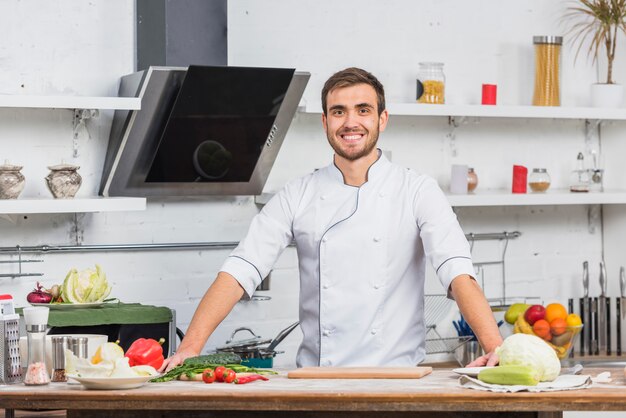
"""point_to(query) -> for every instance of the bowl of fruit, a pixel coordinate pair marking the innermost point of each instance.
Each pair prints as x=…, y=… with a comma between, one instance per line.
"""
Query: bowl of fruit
x=552, y=323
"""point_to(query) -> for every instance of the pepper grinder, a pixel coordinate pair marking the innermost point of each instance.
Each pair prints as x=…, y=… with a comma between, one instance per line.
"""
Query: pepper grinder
x=36, y=319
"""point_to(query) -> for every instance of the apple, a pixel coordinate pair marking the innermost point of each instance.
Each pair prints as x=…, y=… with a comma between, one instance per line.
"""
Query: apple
x=534, y=314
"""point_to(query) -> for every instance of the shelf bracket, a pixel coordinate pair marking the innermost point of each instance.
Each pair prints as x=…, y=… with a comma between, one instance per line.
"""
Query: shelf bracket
x=454, y=123
x=80, y=116
x=592, y=134
x=594, y=215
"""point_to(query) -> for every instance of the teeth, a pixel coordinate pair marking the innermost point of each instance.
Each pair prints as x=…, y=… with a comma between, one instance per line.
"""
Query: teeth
x=351, y=137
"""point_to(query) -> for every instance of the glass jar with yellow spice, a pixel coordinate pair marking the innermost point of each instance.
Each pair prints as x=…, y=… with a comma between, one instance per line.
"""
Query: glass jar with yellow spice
x=539, y=180
x=431, y=83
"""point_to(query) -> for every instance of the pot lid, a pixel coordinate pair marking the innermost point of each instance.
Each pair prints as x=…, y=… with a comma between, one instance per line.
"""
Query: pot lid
x=254, y=343
x=10, y=167
x=60, y=167
x=245, y=343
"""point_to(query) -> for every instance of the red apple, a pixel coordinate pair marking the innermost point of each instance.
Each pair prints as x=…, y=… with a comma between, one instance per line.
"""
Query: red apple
x=534, y=314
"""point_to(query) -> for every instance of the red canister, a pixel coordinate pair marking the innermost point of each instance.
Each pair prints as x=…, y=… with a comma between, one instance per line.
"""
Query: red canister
x=519, y=179
x=490, y=92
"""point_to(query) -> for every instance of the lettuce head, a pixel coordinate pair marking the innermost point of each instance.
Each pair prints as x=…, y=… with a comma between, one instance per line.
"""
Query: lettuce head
x=86, y=286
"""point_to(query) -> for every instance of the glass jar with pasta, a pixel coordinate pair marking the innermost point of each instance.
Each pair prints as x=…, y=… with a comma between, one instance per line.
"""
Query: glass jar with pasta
x=547, y=56
x=431, y=83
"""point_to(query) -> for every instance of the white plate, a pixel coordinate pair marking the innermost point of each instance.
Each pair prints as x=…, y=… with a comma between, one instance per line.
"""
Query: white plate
x=107, y=383
x=70, y=305
x=470, y=371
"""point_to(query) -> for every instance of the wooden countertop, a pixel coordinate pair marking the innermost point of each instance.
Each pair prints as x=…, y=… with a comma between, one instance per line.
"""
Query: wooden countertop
x=436, y=392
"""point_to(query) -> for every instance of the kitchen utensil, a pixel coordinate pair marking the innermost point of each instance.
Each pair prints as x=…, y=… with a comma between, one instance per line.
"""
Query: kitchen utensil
x=601, y=312
x=359, y=372
x=621, y=309
x=585, y=312
x=10, y=367
x=570, y=306
x=253, y=351
x=594, y=318
x=608, y=326
x=281, y=336
x=618, y=326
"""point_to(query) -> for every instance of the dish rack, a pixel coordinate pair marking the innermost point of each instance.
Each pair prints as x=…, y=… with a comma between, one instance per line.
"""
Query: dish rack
x=436, y=307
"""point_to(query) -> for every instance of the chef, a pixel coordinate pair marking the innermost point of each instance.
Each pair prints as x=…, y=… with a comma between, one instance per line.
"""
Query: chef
x=364, y=229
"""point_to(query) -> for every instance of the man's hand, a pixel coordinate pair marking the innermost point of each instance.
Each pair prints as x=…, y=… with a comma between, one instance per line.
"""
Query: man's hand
x=176, y=360
x=489, y=359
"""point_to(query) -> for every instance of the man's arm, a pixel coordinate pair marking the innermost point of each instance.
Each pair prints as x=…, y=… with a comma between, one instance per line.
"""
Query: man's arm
x=477, y=312
x=217, y=302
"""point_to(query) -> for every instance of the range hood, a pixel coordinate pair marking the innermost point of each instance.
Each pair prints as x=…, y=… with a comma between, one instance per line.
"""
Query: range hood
x=200, y=131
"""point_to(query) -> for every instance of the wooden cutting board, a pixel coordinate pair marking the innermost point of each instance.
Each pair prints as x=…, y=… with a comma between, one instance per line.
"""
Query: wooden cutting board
x=359, y=372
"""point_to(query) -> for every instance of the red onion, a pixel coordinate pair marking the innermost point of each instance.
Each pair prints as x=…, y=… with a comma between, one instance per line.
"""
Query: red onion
x=39, y=296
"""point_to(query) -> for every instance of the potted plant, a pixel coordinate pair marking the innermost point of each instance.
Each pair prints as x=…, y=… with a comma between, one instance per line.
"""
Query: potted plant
x=600, y=22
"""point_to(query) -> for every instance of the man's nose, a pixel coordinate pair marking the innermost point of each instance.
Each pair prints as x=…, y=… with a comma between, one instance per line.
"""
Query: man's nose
x=351, y=120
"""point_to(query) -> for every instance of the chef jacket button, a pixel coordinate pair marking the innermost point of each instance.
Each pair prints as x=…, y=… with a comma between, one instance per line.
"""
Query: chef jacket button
x=324, y=239
x=376, y=286
x=323, y=197
x=325, y=286
x=381, y=194
x=376, y=239
x=326, y=332
x=325, y=363
x=374, y=331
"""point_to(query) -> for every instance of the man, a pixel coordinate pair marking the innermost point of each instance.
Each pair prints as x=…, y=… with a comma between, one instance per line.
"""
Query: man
x=363, y=228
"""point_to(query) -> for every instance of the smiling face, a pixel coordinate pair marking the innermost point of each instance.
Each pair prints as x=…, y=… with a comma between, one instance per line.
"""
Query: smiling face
x=352, y=123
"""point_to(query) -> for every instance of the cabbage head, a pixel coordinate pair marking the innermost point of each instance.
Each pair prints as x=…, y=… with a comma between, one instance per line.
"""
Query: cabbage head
x=530, y=350
x=86, y=286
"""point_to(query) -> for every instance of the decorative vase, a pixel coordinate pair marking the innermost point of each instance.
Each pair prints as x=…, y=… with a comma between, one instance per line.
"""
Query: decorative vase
x=11, y=181
x=607, y=95
x=63, y=180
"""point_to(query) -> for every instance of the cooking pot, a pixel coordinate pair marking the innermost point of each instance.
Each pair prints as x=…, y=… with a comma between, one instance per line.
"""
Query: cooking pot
x=256, y=351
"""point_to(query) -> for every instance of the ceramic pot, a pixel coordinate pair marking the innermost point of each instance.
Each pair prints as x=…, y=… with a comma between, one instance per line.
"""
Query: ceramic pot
x=607, y=95
x=63, y=180
x=11, y=181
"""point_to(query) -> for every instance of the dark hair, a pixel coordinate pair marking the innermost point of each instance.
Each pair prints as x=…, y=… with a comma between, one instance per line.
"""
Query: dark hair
x=350, y=77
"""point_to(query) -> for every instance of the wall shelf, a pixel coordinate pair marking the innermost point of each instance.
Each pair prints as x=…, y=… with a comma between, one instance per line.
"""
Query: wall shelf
x=79, y=205
x=506, y=198
x=551, y=197
x=497, y=111
x=69, y=102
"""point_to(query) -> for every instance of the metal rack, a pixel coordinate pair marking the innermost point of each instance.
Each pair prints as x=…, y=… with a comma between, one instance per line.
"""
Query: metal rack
x=436, y=307
x=501, y=236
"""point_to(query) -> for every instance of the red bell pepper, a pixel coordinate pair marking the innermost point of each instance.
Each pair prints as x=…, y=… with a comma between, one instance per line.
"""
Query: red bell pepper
x=146, y=351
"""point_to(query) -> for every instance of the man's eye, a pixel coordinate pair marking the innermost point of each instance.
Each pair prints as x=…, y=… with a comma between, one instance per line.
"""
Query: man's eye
x=364, y=110
x=337, y=112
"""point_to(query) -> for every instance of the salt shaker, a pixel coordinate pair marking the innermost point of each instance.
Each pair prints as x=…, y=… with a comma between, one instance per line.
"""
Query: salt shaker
x=36, y=319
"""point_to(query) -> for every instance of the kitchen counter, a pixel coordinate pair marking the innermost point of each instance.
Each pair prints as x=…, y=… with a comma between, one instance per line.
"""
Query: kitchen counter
x=435, y=395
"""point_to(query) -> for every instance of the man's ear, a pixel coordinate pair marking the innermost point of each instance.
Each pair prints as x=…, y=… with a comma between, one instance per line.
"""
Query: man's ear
x=382, y=120
x=324, y=122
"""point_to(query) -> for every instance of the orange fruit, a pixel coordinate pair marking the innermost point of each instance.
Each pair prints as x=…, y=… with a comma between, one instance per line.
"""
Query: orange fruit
x=554, y=311
x=541, y=328
x=558, y=326
x=573, y=320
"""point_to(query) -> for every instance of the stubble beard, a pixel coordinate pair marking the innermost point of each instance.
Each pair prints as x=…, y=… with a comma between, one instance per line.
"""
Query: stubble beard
x=334, y=140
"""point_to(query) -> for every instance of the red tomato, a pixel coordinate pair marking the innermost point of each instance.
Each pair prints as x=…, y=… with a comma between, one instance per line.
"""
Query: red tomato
x=229, y=376
x=208, y=376
x=219, y=373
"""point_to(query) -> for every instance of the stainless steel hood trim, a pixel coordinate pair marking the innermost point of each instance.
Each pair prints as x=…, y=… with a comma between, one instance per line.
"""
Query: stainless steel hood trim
x=125, y=171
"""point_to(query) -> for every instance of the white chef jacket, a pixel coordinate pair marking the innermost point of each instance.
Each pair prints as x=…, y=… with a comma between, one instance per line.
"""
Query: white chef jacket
x=361, y=253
